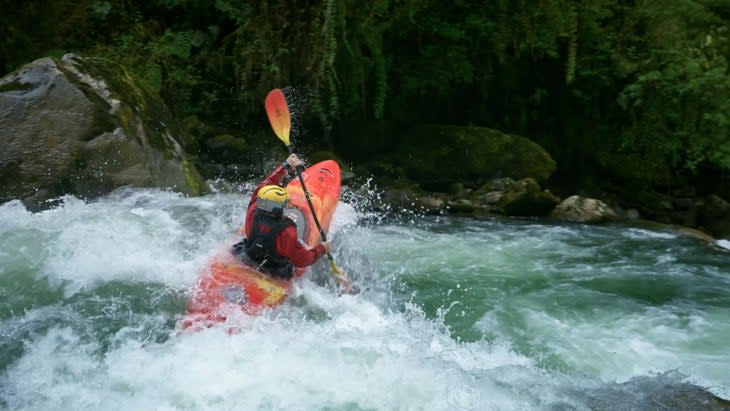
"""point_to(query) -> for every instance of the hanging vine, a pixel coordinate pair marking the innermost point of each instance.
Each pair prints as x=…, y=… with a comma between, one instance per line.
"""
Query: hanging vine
x=573, y=42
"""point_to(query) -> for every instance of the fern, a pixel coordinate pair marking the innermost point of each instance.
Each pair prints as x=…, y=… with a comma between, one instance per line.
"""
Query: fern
x=152, y=73
x=177, y=44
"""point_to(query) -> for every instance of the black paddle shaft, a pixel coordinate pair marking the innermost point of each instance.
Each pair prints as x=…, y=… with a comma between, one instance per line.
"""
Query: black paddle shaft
x=311, y=206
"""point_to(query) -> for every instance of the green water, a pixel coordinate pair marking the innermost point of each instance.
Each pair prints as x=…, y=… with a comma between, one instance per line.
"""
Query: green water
x=602, y=300
x=455, y=314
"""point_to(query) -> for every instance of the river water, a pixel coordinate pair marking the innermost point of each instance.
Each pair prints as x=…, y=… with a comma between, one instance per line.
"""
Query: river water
x=454, y=314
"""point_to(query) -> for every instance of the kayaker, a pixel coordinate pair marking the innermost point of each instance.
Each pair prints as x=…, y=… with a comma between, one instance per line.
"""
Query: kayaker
x=271, y=243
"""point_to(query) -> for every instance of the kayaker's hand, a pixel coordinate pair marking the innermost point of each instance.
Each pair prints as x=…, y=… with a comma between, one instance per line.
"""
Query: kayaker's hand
x=294, y=162
x=327, y=246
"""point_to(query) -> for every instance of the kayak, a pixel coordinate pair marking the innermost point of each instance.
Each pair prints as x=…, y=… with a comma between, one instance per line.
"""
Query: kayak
x=227, y=285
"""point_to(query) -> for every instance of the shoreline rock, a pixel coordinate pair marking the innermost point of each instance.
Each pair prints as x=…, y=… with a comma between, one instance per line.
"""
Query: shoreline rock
x=85, y=127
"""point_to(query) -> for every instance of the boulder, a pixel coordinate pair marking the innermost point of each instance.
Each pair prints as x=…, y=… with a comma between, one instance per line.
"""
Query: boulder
x=715, y=216
x=523, y=197
x=583, y=210
x=437, y=156
x=430, y=204
x=85, y=127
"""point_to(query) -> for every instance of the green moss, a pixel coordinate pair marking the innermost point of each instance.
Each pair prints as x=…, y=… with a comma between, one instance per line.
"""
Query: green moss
x=141, y=103
x=194, y=179
x=15, y=86
x=437, y=155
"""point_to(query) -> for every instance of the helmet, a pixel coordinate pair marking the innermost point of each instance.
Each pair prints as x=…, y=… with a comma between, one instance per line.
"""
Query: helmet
x=272, y=198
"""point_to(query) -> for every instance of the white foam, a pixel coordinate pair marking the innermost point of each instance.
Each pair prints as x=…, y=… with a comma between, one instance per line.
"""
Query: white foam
x=723, y=244
x=359, y=356
x=639, y=233
x=371, y=351
x=345, y=215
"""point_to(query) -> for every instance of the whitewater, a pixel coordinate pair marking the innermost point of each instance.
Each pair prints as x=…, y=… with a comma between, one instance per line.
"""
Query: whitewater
x=454, y=314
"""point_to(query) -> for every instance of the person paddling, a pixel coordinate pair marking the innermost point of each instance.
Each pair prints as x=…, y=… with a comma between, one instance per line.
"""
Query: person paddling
x=271, y=243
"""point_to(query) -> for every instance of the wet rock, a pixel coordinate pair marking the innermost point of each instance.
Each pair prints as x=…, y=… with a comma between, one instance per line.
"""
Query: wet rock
x=694, y=233
x=492, y=197
x=462, y=206
x=526, y=198
x=522, y=197
x=714, y=216
x=663, y=392
x=583, y=210
x=85, y=127
x=431, y=204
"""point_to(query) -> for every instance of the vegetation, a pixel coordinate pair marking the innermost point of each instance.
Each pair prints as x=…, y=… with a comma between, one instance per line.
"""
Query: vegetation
x=587, y=80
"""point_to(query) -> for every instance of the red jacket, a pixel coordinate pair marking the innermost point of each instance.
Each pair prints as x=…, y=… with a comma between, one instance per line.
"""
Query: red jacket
x=288, y=244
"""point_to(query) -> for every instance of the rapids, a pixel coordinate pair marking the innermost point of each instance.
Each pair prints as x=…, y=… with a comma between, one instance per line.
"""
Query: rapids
x=454, y=314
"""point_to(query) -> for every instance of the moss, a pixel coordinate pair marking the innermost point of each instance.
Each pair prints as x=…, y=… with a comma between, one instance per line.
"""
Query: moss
x=15, y=86
x=437, y=155
x=141, y=103
x=194, y=179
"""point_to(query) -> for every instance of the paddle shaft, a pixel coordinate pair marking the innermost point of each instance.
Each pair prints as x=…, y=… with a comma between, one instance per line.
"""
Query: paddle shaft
x=277, y=109
x=311, y=206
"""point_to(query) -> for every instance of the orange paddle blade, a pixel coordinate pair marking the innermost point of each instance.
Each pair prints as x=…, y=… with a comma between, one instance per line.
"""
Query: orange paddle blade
x=278, y=111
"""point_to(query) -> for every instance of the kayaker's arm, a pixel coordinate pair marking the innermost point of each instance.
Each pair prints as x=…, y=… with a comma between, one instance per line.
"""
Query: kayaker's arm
x=298, y=253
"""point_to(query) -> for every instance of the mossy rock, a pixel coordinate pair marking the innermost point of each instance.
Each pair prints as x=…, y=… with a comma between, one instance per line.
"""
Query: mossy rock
x=526, y=198
x=436, y=156
x=85, y=127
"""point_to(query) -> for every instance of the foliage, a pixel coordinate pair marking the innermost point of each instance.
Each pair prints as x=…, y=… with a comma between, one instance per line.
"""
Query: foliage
x=649, y=78
x=679, y=100
x=331, y=50
x=33, y=29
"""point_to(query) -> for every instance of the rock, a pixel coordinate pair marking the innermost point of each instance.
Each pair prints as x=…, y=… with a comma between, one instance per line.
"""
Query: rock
x=694, y=233
x=526, y=198
x=714, y=216
x=523, y=197
x=631, y=214
x=491, y=197
x=400, y=198
x=716, y=206
x=430, y=204
x=497, y=185
x=583, y=210
x=436, y=156
x=462, y=206
x=85, y=127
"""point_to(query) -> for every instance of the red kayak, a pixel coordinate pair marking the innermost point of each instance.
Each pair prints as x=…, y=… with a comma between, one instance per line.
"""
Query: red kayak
x=228, y=285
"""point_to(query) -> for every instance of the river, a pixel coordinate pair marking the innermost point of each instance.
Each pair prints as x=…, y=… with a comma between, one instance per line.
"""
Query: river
x=454, y=314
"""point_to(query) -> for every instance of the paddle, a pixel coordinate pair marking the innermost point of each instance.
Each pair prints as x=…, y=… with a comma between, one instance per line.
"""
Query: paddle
x=277, y=109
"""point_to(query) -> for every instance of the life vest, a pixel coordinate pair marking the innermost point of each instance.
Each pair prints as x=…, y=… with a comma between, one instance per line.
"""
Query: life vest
x=260, y=246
